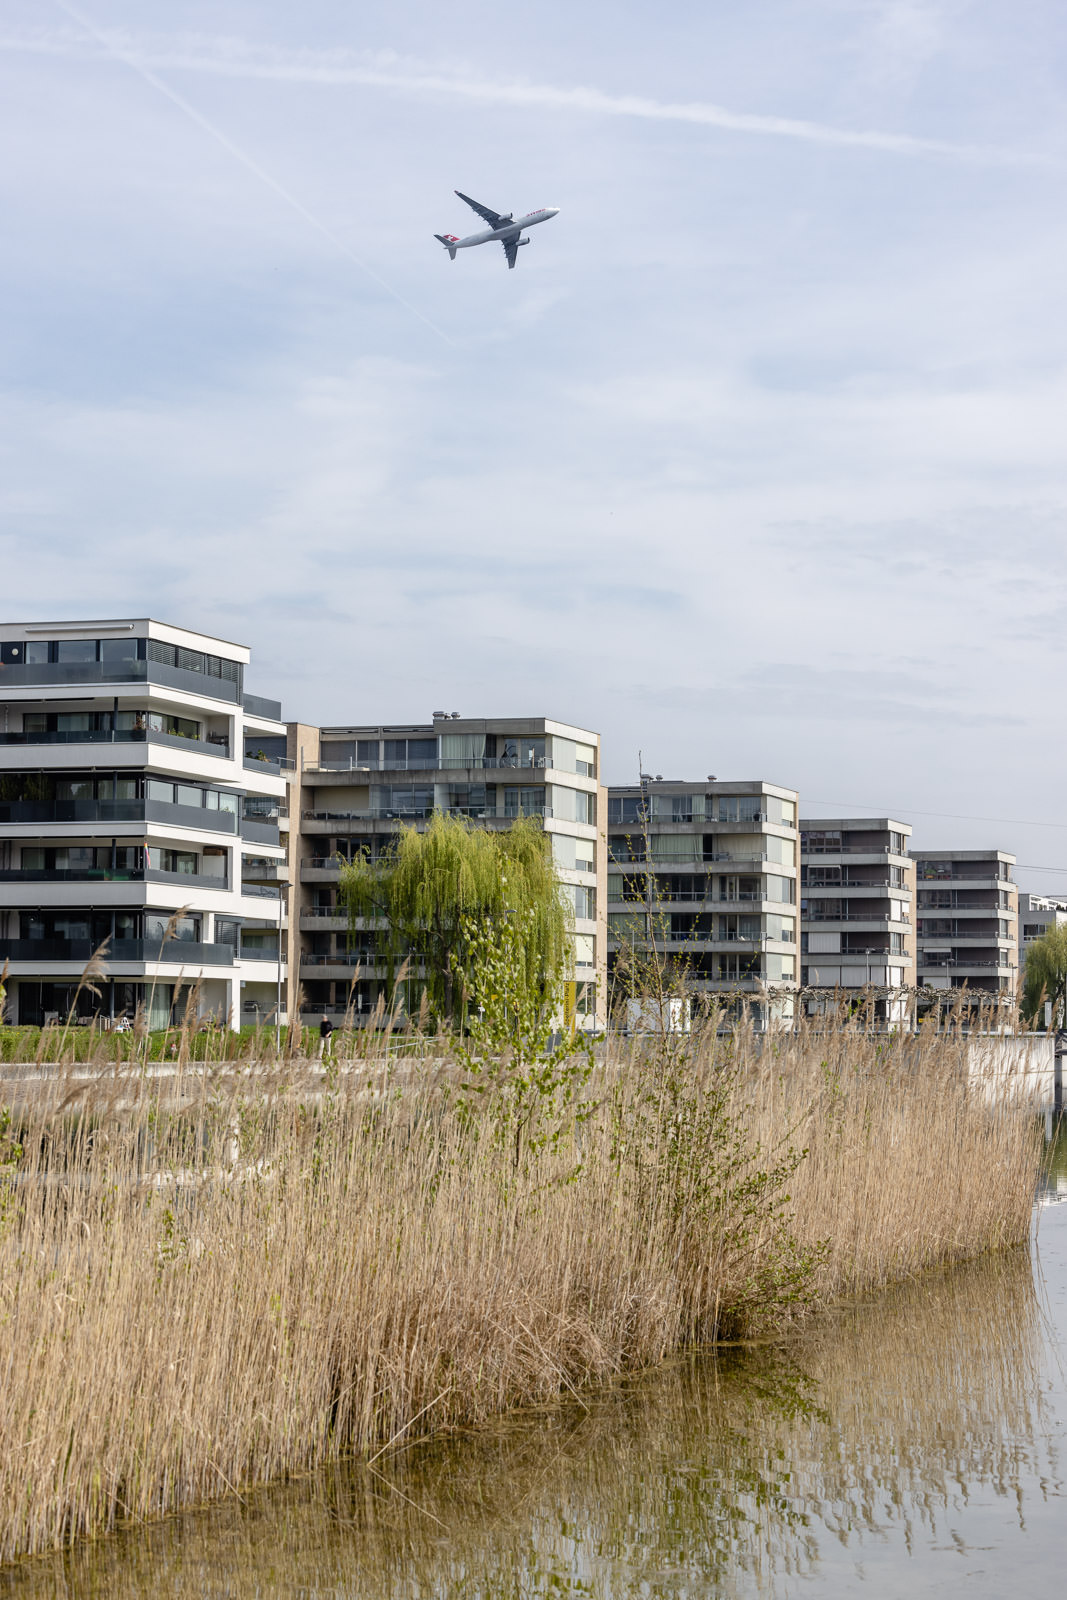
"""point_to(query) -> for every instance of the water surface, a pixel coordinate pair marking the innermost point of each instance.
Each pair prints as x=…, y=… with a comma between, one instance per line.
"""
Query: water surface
x=907, y=1445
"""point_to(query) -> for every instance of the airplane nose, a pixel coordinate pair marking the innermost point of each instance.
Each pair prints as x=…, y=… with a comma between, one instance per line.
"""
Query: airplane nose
x=553, y=211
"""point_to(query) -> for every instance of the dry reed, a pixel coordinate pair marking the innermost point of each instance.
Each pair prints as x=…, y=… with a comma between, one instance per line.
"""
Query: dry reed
x=223, y=1280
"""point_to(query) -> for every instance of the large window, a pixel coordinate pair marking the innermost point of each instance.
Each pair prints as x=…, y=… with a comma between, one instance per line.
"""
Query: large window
x=581, y=899
x=740, y=807
x=524, y=800
x=627, y=809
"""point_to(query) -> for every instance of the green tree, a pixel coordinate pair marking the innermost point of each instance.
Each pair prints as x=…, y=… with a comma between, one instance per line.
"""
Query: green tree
x=436, y=887
x=1046, y=977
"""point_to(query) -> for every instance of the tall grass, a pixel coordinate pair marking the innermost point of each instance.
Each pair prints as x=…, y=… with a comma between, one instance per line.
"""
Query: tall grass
x=239, y=1274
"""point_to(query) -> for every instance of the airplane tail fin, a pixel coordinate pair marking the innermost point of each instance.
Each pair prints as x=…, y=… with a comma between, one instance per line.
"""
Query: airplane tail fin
x=449, y=242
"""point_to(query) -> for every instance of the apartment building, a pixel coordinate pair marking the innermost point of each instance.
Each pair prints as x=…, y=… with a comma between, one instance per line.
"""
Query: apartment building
x=1037, y=914
x=709, y=872
x=968, y=921
x=857, y=911
x=357, y=785
x=139, y=812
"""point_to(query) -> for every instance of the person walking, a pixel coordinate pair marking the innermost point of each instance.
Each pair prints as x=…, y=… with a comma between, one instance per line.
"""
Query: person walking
x=325, y=1036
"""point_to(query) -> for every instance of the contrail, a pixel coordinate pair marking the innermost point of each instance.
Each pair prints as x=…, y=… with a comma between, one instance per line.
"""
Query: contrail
x=234, y=59
x=138, y=66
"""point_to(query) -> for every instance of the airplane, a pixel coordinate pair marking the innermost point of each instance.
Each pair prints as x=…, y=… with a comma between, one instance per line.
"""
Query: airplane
x=501, y=226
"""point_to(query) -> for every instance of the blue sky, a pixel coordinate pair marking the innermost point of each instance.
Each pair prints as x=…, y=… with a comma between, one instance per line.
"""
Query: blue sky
x=756, y=463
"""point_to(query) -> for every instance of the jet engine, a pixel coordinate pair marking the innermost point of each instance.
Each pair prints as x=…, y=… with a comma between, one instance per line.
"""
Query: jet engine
x=524, y=241
x=503, y=221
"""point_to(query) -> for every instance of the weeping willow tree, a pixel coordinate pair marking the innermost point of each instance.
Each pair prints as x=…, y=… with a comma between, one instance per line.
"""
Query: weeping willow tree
x=1046, y=976
x=441, y=891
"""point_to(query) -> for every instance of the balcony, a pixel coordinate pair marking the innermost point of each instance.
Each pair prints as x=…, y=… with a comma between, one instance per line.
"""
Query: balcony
x=257, y=953
x=28, y=675
x=173, y=952
x=264, y=872
x=117, y=811
x=95, y=875
x=852, y=915
x=423, y=813
x=257, y=705
x=255, y=831
x=218, y=748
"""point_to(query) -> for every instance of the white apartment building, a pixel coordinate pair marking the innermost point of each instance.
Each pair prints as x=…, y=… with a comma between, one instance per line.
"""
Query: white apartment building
x=1037, y=914
x=358, y=784
x=708, y=871
x=857, y=912
x=139, y=812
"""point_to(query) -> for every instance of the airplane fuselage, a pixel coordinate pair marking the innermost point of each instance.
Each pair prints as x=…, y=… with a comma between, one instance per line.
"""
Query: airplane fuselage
x=510, y=230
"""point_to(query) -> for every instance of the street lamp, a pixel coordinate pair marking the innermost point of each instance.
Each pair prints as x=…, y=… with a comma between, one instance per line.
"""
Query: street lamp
x=283, y=885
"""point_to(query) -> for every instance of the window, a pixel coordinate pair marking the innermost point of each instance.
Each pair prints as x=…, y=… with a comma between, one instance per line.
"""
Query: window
x=185, y=929
x=183, y=861
x=465, y=750
x=626, y=808
x=524, y=801
x=819, y=876
x=583, y=900
x=116, y=652
x=820, y=841
x=584, y=950
x=896, y=844
x=780, y=889
x=740, y=808
x=70, y=651
x=36, y=652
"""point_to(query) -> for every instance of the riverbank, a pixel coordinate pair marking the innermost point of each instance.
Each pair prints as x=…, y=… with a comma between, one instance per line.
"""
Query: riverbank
x=199, y=1299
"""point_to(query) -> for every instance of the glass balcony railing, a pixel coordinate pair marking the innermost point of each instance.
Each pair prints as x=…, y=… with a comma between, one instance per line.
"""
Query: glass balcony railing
x=29, y=674
x=210, y=746
x=172, y=952
x=194, y=880
x=423, y=813
x=113, y=811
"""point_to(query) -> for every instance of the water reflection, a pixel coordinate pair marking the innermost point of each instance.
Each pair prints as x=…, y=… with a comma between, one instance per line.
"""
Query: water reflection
x=872, y=1439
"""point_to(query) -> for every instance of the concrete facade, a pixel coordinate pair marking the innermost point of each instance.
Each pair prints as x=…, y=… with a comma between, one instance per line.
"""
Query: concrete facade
x=968, y=922
x=357, y=784
x=137, y=793
x=857, y=911
x=708, y=872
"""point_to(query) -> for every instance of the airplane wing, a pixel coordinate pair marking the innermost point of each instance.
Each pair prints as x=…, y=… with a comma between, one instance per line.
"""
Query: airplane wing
x=492, y=217
x=511, y=249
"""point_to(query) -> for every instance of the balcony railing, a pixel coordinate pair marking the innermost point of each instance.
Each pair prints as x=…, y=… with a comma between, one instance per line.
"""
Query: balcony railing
x=255, y=953
x=851, y=850
x=257, y=705
x=256, y=831
x=851, y=915
x=844, y=885
x=195, y=880
x=177, y=952
x=936, y=963
x=111, y=811
x=175, y=741
x=28, y=674
x=423, y=813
